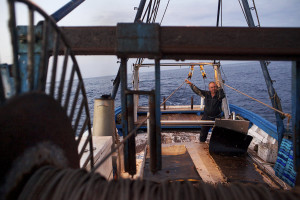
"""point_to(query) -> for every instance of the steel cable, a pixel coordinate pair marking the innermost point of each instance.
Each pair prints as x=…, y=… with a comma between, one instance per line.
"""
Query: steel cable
x=84, y=185
x=57, y=185
x=164, y=12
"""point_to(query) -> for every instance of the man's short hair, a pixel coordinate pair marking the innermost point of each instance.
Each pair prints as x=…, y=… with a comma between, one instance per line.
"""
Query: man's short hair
x=211, y=82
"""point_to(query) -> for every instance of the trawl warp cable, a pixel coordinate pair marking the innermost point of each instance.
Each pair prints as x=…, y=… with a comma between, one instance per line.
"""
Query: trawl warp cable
x=49, y=182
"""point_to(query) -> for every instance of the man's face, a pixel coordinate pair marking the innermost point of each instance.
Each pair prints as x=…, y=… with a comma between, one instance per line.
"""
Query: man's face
x=212, y=88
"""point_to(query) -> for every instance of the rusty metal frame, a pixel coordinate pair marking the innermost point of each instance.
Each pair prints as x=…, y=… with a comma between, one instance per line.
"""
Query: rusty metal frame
x=224, y=43
x=32, y=47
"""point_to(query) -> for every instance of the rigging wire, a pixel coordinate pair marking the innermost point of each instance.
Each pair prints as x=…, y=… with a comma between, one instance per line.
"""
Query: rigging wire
x=152, y=17
x=156, y=11
x=243, y=12
x=254, y=7
x=218, y=17
x=147, y=10
x=221, y=13
x=148, y=16
x=164, y=12
x=225, y=77
x=218, y=13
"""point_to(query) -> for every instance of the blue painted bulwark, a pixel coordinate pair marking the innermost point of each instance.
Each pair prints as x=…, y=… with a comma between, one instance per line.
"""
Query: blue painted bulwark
x=259, y=121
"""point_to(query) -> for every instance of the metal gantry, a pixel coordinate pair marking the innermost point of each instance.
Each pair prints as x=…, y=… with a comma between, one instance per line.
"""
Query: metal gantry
x=194, y=43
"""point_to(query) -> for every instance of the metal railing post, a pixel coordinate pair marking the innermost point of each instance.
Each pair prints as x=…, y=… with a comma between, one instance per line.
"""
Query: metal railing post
x=152, y=133
x=123, y=79
x=131, y=140
x=296, y=116
x=157, y=114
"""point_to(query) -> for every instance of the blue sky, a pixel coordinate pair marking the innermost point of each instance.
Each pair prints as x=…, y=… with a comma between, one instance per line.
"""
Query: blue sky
x=275, y=13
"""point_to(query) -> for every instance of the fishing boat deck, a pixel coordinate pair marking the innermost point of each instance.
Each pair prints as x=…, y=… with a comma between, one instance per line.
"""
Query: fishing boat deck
x=184, y=157
x=193, y=161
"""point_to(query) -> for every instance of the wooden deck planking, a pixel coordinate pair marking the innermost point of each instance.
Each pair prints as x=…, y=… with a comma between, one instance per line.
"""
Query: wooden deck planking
x=205, y=165
x=176, y=165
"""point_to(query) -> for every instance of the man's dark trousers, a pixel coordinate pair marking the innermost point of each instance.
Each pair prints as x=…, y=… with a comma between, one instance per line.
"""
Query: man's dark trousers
x=205, y=129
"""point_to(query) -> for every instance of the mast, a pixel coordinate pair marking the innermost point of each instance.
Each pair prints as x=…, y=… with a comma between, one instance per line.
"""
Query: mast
x=219, y=81
x=218, y=76
x=272, y=93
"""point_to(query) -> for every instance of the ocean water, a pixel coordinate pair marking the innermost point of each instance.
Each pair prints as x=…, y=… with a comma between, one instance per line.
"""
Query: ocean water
x=246, y=77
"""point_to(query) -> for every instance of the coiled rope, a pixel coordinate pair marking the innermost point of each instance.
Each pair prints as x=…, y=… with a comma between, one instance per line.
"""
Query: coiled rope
x=50, y=182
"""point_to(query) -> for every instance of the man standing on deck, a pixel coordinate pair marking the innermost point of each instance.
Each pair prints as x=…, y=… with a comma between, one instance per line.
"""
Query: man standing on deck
x=213, y=104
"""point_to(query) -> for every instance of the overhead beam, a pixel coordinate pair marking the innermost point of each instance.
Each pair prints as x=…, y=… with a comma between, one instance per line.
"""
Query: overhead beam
x=224, y=43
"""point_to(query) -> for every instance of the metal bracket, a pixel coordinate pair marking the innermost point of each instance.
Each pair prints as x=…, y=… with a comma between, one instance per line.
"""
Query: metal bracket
x=22, y=36
x=138, y=40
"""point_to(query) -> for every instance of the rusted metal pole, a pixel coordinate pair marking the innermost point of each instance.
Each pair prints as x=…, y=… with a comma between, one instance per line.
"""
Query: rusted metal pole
x=237, y=43
x=66, y=9
x=272, y=93
x=296, y=116
x=140, y=11
x=164, y=100
x=192, y=103
x=157, y=115
x=152, y=133
x=131, y=140
x=123, y=78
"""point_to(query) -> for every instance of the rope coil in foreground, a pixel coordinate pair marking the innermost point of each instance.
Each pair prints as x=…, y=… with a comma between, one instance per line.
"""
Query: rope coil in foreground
x=50, y=182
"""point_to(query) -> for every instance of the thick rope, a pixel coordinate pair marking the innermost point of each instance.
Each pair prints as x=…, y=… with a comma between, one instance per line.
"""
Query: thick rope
x=49, y=182
x=172, y=93
x=276, y=110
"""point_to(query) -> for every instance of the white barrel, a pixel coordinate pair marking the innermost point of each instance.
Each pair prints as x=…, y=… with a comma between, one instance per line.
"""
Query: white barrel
x=104, y=117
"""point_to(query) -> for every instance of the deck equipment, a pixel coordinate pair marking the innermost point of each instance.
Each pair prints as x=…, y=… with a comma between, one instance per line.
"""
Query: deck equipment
x=229, y=137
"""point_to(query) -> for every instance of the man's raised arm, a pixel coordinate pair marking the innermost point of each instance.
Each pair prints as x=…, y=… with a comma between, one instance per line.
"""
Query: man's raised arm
x=196, y=89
